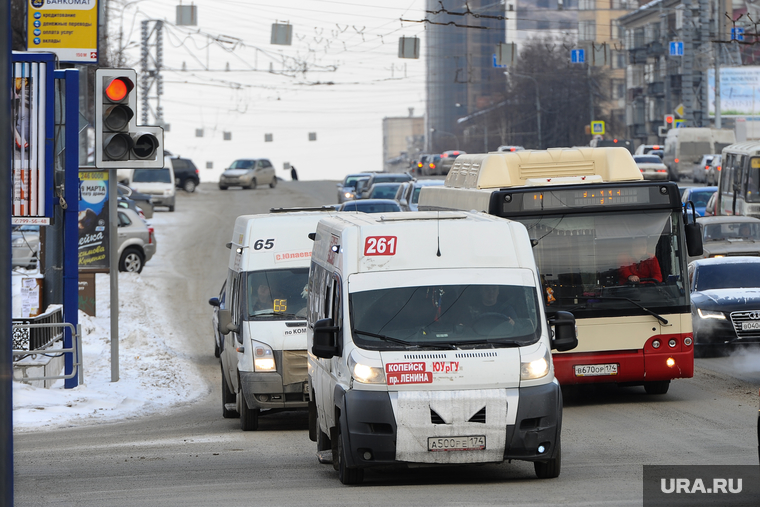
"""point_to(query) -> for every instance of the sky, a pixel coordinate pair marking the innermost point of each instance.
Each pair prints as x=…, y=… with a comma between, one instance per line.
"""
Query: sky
x=340, y=77
x=153, y=374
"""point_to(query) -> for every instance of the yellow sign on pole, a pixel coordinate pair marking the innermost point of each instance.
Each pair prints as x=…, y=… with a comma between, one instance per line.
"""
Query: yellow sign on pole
x=68, y=28
x=597, y=128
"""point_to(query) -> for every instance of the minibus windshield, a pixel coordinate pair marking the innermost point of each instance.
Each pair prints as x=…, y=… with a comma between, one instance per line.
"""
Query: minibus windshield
x=277, y=294
x=445, y=316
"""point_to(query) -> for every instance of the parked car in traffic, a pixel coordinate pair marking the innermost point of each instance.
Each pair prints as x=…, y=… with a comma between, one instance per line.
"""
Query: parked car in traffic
x=141, y=200
x=218, y=304
x=725, y=303
x=699, y=196
x=347, y=188
x=447, y=159
x=701, y=169
x=713, y=171
x=408, y=194
x=248, y=173
x=186, y=175
x=25, y=243
x=651, y=167
x=432, y=166
x=727, y=236
x=137, y=241
x=646, y=149
x=157, y=183
x=508, y=147
x=384, y=190
x=370, y=206
x=364, y=186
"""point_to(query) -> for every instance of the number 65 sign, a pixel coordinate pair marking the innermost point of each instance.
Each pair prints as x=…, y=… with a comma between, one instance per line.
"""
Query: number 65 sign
x=380, y=245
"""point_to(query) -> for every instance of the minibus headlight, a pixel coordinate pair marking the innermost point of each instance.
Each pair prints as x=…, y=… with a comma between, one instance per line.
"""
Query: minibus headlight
x=538, y=368
x=705, y=314
x=364, y=373
x=263, y=358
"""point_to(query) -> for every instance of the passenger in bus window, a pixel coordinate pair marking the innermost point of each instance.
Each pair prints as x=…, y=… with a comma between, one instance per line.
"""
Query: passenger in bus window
x=641, y=266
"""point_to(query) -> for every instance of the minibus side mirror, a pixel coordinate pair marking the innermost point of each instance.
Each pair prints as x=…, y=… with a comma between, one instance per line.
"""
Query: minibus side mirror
x=225, y=322
x=324, y=342
x=214, y=301
x=565, y=335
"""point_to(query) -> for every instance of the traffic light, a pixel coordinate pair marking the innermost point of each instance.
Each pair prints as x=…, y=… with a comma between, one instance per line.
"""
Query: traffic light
x=119, y=142
x=669, y=121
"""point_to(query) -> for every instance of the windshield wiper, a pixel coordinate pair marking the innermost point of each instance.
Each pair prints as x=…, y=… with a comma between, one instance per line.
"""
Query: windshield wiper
x=650, y=312
x=404, y=342
x=277, y=314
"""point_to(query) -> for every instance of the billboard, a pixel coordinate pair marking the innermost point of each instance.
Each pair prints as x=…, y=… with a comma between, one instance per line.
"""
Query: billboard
x=739, y=91
x=68, y=28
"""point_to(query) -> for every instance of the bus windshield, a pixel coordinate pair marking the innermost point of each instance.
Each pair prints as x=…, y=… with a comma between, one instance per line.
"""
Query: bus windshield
x=612, y=263
x=277, y=294
x=445, y=317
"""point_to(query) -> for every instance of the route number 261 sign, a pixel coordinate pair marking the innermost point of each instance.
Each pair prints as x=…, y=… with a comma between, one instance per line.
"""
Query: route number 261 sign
x=380, y=245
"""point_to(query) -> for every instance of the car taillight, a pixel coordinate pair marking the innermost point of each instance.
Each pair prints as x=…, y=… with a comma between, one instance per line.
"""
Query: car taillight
x=150, y=235
x=718, y=168
x=432, y=165
x=197, y=171
x=419, y=164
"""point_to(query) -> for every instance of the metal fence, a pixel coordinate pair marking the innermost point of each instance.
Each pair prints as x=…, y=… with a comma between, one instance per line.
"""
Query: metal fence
x=38, y=336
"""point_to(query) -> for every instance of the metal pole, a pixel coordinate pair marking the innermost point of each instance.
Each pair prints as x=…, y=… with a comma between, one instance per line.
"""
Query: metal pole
x=590, y=96
x=6, y=368
x=687, y=77
x=720, y=19
x=538, y=115
x=113, y=253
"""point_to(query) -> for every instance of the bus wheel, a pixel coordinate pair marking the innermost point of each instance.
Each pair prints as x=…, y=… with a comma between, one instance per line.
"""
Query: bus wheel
x=249, y=417
x=549, y=469
x=658, y=387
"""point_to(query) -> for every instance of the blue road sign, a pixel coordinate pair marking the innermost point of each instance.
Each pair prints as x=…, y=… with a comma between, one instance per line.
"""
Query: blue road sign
x=676, y=48
x=737, y=33
x=577, y=55
x=496, y=64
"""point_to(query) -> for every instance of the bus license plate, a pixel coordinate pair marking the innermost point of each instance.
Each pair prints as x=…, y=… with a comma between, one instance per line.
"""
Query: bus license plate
x=595, y=370
x=471, y=443
x=750, y=326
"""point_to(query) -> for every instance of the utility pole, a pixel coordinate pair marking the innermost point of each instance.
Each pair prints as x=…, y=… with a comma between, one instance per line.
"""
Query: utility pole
x=704, y=17
x=687, y=78
x=150, y=70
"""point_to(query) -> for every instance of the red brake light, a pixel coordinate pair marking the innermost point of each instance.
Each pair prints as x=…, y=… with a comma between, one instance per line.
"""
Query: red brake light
x=150, y=235
x=655, y=147
x=444, y=155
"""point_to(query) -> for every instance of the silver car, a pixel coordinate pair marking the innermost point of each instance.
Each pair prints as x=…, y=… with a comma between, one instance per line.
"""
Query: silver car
x=408, y=194
x=651, y=167
x=248, y=173
x=137, y=241
x=728, y=236
x=25, y=242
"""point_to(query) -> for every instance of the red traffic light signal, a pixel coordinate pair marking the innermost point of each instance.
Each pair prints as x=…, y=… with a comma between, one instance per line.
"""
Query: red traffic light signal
x=119, y=142
x=669, y=120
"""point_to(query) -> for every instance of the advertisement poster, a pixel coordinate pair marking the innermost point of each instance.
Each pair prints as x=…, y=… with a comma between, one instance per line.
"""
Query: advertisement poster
x=68, y=28
x=739, y=91
x=28, y=120
x=93, y=220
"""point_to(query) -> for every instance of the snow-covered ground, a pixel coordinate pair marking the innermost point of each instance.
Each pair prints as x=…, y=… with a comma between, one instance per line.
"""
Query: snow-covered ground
x=152, y=375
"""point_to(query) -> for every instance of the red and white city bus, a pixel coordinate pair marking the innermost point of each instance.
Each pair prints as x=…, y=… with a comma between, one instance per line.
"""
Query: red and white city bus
x=595, y=224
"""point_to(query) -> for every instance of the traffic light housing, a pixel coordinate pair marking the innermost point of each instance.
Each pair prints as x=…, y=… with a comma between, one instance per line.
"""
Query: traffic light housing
x=119, y=142
x=668, y=120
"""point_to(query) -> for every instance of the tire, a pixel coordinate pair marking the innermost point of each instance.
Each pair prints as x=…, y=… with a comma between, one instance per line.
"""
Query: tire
x=132, y=260
x=217, y=352
x=253, y=184
x=657, y=387
x=274, y=182
x=189, y=185
x=222, y=187
x=249, y=417
x=313, y=429
x=323, y=441
x=549, y=469
x=171, y=209
x=227, y=397
x=347, y=476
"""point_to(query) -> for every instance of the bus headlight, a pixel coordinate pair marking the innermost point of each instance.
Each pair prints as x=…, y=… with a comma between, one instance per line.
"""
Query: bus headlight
x=537, y=368
x=705, y=314
x=263, y=358
x=364, y=373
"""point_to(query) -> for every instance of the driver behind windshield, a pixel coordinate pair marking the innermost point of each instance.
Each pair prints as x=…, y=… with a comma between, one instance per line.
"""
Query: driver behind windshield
x=640, y=266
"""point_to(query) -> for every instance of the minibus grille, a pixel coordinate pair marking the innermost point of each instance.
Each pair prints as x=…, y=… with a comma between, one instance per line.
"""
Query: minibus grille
x=463, y=355
x=479, y=417
x=435, y=418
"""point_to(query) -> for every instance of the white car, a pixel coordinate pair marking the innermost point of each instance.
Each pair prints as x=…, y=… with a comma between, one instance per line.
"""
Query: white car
x=702, y=168
x=651, y=167
x=157, y=183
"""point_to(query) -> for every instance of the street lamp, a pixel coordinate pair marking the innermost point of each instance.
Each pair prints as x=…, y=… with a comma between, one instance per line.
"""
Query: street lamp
x=456, y=139
x=538, y=104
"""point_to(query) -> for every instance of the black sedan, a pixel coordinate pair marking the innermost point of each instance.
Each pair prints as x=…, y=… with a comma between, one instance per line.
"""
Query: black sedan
x=725, y=302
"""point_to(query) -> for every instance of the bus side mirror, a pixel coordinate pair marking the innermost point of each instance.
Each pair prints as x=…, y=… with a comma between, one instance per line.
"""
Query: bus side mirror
x=225, y=322
x=693, y=239
x=565, y=334
x=324, y=341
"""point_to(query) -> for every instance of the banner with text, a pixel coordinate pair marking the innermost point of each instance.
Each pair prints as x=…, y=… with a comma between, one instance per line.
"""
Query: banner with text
x=93, y=220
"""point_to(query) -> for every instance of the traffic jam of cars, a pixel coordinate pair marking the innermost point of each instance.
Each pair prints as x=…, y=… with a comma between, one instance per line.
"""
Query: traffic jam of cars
x=258, y=378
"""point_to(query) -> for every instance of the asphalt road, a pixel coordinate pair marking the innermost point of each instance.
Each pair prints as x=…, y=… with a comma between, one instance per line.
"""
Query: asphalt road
x=191, y=456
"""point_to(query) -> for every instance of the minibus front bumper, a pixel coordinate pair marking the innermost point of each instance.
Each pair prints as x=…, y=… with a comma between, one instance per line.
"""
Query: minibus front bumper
x=370, y=432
